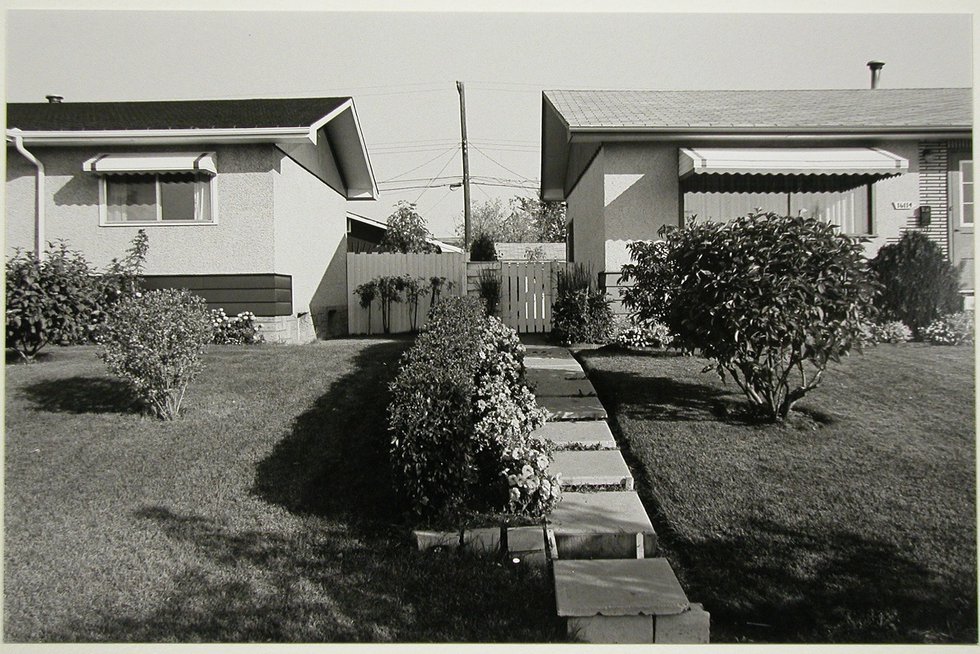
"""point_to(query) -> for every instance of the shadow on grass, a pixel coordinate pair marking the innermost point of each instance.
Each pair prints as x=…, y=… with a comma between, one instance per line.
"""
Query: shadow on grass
x=335, y=461
x=775, y=583
x=13, y=358
x=82, y=395
x=319, y=584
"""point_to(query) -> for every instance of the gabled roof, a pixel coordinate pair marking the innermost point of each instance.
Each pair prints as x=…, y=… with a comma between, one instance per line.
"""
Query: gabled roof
x=170, y=114
x=855, y=108
x=574, y=124
x=321, y=134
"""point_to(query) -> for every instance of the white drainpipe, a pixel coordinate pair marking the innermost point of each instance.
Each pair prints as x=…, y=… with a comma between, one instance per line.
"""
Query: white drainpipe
x=38, y=193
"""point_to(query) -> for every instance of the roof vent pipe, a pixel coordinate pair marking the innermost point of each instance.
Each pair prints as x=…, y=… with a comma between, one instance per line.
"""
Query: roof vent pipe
x=875, y=67
x=54, y=99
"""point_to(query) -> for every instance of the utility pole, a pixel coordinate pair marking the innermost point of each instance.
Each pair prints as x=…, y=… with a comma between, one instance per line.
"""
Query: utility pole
x=466, y=167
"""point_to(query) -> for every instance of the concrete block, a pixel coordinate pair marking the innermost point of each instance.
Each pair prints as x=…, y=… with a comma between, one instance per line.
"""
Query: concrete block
x=572, y=408
x=484, y=540
x=585, y=434
x=602, y=526
x=568, y=364
x=623, y=629
x=426, y=540
x=692, y=627
x=559, y=383
x=620, y=587
x=592, y=468
x=525, y=539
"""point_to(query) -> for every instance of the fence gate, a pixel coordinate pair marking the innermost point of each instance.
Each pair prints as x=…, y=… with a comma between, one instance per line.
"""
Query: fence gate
x=526, y=295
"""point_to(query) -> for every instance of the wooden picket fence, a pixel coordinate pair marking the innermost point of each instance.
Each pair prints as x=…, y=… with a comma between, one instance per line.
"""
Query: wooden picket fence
x=526, y=289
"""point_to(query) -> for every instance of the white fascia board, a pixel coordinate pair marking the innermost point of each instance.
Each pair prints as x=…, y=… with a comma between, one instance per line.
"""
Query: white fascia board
x=364, y=152
x=314, y=128
x=166, y=136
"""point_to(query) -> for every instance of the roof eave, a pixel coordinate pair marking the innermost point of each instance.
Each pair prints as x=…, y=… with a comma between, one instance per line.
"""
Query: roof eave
x=585, y=134
x=163, y=136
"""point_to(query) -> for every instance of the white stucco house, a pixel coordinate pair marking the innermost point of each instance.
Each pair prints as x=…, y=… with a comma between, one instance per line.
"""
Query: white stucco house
x=244, y=201
x=876, y=162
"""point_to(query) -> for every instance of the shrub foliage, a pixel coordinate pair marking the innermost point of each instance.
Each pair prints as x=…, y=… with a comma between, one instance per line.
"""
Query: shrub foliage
x=951, y=329
x=155, y=342
x=918, y=284
x=483, y=248
x=768, y=298
x=580, y=311
x=459, y=401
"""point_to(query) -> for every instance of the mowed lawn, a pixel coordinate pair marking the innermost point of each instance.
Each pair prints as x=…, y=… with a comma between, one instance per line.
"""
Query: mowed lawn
x=856, y=523
x=265, y=513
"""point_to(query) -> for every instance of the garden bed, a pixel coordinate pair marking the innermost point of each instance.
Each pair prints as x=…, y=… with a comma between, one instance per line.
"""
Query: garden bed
x=264, y=513
x=854, y=522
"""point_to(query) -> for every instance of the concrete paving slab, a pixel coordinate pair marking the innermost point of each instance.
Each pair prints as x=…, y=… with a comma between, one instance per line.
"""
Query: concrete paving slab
x=547, y=351
x=583, y=434
x=559, y=383
x=552, y=363
x=617, y=588
x=573, y=408
x=602, y=526
x=592, y=468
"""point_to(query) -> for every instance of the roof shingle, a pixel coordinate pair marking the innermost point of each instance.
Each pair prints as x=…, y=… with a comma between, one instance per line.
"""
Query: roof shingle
x=849, y=108
x=170, y=114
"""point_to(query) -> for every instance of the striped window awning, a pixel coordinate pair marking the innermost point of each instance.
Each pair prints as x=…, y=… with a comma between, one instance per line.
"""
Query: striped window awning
x=790, y=161
x=144, y=162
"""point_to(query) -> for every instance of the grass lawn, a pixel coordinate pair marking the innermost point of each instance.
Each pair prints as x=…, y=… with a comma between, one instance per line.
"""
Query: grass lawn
x=855, y=524
x=265, y=513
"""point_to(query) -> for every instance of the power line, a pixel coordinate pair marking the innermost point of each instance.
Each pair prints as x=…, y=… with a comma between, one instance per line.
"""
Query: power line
x=435, y=177
x=498, y=163
x=412, y=170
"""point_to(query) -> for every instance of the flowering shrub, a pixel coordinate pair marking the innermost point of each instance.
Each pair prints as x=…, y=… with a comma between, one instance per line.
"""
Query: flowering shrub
x=581, y=311
x=460, y=398
x=531, y=491
x=894, y=331
x=237, y=330
x=155, y=341
x=951, y=329
x=630, y=334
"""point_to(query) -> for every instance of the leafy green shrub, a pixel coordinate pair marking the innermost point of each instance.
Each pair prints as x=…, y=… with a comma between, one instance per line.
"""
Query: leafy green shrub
x=580, y=312
x=767, y=297
x=918, y=284
x=61, y=298
x=488, y=286
x=893, y=331
x=630, y=334
x=951, y=329
x=483, y=248
x=648, y=279
x=459, y=399
x=366, y=294
x=389, y=290
x=531, y=491
x=155, y=341
x=437, y=284
x=237, y=330
x=413, y=289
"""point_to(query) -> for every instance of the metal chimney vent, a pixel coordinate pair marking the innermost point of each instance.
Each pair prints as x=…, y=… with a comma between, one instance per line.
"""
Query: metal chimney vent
x=53, y=99
x=875, y=67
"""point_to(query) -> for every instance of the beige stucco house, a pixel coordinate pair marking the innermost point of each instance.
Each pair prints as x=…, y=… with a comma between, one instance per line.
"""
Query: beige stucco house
x=875, y=162
x=244, y=201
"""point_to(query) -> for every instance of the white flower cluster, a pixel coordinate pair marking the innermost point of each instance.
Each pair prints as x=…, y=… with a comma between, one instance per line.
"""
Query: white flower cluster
x=951, y=329
x=632, y=335
x=531, y=490
x=238, y=330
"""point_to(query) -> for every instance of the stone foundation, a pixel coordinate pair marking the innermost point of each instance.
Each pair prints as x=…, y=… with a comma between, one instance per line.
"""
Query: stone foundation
x=291, y=330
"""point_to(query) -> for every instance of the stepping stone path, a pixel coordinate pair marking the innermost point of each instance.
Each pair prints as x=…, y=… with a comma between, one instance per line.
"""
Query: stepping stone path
x=608, y=585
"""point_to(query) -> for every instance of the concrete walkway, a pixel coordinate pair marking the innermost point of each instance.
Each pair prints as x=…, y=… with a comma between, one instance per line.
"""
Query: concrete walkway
x=609, y=585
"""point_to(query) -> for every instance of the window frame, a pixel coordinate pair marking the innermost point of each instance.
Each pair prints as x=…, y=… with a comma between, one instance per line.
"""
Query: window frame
x=962, y=202
x=159, y=222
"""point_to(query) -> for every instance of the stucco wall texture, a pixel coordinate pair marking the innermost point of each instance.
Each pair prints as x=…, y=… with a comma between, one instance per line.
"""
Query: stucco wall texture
x=585, y=209
x=239, y=242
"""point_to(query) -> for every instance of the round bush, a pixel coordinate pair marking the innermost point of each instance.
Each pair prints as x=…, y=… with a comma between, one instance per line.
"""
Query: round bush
x=155, y=341
x=951, y=329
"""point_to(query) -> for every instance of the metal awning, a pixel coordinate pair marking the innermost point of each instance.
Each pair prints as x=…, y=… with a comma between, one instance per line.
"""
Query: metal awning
x=790, y=161
x=145, y=162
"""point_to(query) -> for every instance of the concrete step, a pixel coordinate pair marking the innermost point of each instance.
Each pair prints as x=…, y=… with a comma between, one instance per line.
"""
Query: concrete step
x=592, y=468
x=584, y=434
x=559, y=383
x=626, y=601
x=567, y=363
x=609, y=525
x=572, y=408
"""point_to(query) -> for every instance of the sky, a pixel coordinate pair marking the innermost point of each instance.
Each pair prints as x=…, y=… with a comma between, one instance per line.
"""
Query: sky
x=401, y=69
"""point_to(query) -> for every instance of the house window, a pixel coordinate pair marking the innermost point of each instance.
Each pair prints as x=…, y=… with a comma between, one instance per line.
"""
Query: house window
x=966, y=192
x=849, y=210
x=165, y=198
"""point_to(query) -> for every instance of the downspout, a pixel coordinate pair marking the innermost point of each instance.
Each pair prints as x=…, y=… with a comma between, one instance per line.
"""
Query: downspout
x=38, y=193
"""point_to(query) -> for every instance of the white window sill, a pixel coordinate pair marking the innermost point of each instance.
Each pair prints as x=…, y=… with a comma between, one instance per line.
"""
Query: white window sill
x=160, y=223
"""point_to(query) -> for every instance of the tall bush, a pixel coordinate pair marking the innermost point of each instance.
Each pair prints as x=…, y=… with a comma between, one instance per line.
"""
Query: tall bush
x=155, y=341
x=580, y=311
x=770, y=299
x=918, y=283
x=488, y=288
x=389, y=290
x=459, y=400
x=483, y=248
x=366, y=293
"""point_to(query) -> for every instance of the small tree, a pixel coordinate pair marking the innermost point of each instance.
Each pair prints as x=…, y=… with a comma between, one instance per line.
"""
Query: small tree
x=918, y=284
x=482, y=248
x=437, y=283
x=767, y=297
x=547, y=218
x=366, y=293
x=155, y=342
x=406, y=231
x=413, y=289
x=488, y=286
x=389, y=290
